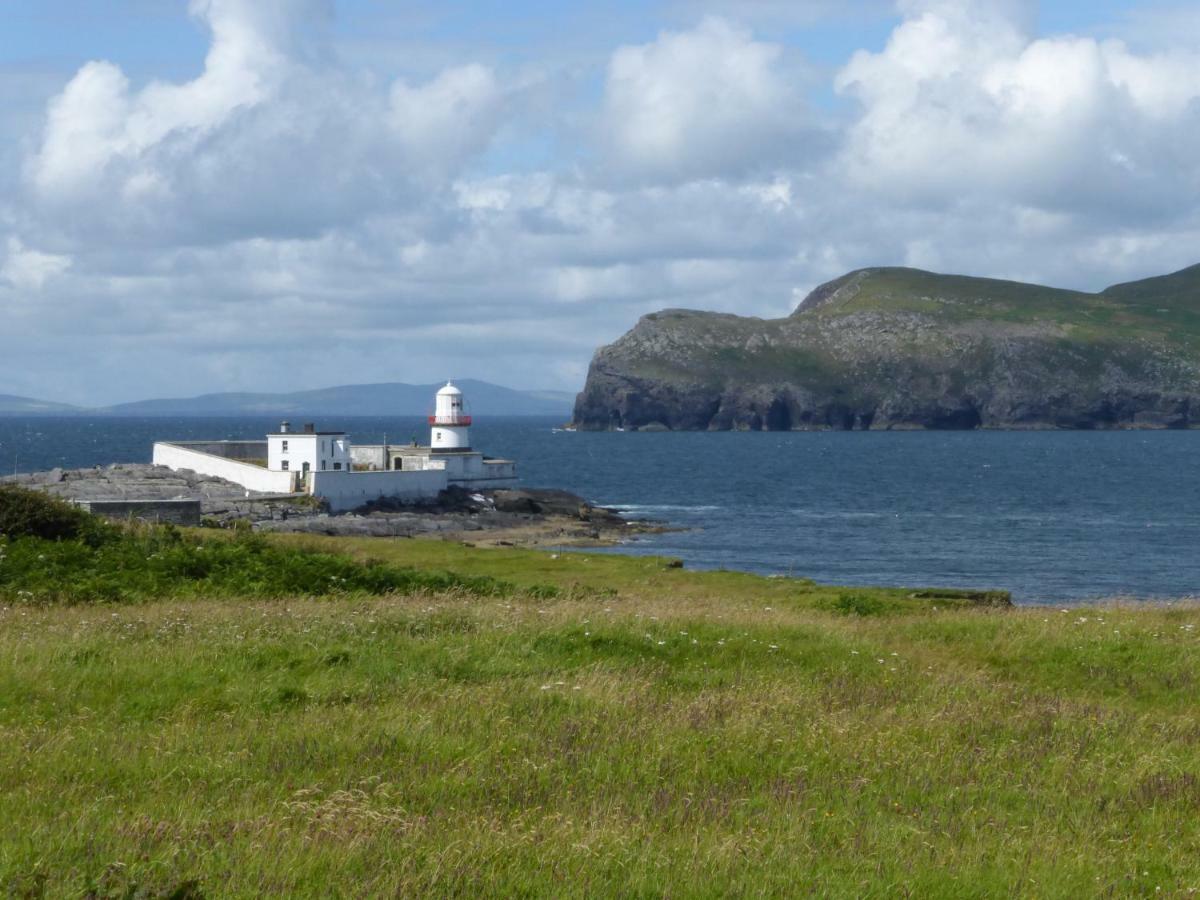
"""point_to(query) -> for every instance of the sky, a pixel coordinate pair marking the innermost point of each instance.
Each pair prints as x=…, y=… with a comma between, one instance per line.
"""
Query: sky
x=276, y=195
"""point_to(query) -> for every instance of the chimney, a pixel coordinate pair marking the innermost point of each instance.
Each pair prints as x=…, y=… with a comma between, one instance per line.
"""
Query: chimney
x=310, y=428
x=285, y=427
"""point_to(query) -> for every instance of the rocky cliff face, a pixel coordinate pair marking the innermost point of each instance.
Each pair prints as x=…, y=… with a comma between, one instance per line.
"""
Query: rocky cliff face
x=900, y=348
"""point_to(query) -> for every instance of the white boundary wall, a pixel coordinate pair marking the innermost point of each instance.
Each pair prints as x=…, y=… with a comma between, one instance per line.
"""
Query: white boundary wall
x=248, y=475
x=350, y=490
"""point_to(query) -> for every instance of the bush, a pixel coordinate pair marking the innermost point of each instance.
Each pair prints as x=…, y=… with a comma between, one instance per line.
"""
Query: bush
x=26, y=513
x=860, y=605
x=153, y=562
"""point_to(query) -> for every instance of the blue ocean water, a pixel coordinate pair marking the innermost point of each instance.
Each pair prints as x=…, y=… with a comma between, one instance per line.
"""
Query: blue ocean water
x=1052, y=516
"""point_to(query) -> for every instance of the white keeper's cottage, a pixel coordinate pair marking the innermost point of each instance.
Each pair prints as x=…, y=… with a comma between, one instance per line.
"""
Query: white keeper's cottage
x=316, y=451
x=326, y=464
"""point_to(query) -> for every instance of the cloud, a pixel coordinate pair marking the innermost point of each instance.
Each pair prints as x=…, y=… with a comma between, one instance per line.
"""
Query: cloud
x=706, y=102
x=274, y=137
x=962, y=101
x=29, y=270
x=450, y=119
x=286, y=205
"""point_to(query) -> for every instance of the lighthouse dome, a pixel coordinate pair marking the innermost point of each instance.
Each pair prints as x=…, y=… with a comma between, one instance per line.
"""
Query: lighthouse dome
x=449, y=390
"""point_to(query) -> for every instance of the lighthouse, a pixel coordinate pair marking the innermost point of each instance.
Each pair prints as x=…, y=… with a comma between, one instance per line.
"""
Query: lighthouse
x=450, y=426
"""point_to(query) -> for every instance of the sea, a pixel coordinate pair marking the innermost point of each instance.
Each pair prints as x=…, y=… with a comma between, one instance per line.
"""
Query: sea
x=1055, y=517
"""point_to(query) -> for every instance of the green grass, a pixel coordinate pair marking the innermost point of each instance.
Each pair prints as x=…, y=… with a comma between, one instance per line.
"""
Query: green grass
x=1082, y=333
x=1161, y=308
x=143, y=564
x=644, y=731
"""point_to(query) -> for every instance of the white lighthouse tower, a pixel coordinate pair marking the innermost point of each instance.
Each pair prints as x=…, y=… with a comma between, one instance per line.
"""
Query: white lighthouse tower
x=450, y=426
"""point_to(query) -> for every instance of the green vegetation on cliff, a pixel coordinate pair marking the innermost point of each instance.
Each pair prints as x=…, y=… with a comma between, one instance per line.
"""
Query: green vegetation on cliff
x=641, y=730
x=903, y=348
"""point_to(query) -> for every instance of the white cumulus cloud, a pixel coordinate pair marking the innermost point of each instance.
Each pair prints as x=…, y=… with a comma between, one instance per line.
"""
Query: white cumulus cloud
x=273, y=137
x=963, y=101
x=705, y=102
x=468, y=217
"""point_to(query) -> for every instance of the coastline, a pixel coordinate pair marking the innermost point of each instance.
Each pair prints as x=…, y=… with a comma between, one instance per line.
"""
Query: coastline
x=527, y=517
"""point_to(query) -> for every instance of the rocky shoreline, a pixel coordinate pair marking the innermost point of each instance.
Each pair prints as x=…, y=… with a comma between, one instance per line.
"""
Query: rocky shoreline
x=527, y=517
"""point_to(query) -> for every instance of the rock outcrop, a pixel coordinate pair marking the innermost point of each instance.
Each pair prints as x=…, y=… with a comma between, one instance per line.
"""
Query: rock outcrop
x=901, y=348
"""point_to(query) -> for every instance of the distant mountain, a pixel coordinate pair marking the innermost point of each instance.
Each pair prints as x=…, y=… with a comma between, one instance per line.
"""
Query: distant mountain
x=26, y=406
x=394, y=399
x=902, y=348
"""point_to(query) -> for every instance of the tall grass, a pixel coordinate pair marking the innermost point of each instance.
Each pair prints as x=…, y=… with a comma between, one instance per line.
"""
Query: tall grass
x=145, y=563
x=255, y=725
x=704, y=741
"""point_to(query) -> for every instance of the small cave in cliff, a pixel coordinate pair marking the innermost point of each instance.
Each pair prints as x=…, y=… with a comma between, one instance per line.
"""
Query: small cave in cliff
x=964, y=419
x=779, y=416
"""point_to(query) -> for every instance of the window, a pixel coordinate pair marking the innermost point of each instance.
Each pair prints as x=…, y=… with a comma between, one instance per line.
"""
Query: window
x=285, y=465
x=337, y=467
x=284, y=450
x=322, y=465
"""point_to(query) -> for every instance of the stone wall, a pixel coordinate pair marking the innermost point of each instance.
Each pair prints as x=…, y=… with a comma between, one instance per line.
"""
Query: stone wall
x=177, y=512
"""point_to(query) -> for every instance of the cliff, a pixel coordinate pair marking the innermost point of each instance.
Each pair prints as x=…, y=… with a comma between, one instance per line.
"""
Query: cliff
x=898, y=348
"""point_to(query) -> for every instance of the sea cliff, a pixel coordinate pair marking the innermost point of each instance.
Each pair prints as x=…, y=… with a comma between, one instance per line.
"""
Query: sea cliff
x=902, y=348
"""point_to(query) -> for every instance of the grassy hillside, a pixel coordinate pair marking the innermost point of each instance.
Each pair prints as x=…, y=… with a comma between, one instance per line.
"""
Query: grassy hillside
x=1167, y=306
x=903, y=348
x=587, y=725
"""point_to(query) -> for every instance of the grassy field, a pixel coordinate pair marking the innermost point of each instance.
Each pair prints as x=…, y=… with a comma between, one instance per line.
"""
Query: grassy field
x=592, y=725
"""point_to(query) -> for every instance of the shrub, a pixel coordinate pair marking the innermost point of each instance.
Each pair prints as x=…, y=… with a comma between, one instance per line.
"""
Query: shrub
x=860, y=605
x=26, y=513
x=149, y=562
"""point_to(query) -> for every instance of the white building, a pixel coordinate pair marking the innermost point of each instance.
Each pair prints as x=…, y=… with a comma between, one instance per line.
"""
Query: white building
x=308, y=450
x=325, y=464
